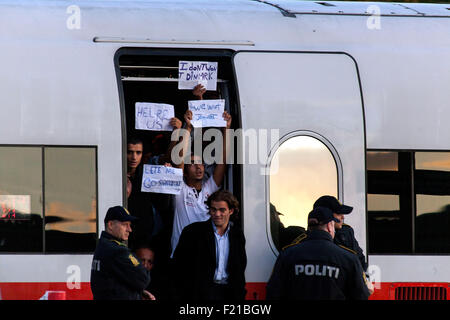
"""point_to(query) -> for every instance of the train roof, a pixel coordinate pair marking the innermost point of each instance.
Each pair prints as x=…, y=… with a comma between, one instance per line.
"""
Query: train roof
x=288, y=8
x=293, y=8
x=219, y=22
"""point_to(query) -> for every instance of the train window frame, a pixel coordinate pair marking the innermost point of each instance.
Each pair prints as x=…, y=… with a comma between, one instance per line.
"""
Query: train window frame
x=168, y=58
x=410, y=176
x=43, y=149
x=339, y=174
x=224, y=57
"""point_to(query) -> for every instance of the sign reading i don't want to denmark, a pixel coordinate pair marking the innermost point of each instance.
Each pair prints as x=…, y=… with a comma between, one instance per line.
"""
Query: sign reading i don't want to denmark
x=192, y=73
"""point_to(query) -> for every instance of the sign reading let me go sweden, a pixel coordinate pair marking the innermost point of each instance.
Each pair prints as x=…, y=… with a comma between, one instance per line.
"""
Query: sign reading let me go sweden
x=161, y=179
x=192, y=73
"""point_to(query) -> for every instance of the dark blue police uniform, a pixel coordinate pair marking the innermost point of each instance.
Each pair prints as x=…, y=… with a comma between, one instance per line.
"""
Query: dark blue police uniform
x=346, y=237
x=116, y=273
x=317, y=269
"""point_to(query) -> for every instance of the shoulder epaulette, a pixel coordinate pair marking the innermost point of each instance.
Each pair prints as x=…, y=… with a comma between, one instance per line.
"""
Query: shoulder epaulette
x=118, y=242
x=348, y=249
x=297, y=240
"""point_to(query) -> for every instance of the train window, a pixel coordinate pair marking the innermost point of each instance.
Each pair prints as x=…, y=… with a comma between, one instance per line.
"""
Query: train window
x=151, y=76
x=70, y=199
x=432, y=190
x=48, y=198
x=302, y=170
x=408, y=202
x=21, y=199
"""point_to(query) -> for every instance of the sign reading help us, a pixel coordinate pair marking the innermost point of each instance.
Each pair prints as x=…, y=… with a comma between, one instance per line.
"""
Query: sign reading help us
x=154, y=116
x=161, y=179
x=207, y=113
x=192, y=73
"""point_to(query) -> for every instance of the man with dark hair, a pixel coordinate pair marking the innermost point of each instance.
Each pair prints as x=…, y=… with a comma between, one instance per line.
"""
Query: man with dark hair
x=190, y=204
x=153, y=210
x=116, y=273
x=316, y=268
x=210, y=259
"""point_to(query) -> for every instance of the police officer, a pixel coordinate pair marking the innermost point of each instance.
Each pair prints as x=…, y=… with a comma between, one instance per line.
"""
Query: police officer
x=345, y=236
x=116, y=273
x=316, y=268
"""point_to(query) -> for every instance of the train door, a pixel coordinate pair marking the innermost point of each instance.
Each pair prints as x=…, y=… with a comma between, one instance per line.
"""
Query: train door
x=306, y=111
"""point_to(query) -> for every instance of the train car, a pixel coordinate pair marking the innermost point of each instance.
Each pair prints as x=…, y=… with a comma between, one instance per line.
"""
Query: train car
x=340, y=98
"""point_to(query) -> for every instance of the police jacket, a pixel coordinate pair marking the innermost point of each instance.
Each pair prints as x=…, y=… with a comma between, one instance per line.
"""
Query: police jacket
x=116, y=274
x=346, y=237
x=317, y=269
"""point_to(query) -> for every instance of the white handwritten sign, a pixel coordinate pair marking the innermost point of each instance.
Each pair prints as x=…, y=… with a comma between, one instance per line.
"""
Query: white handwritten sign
x=192, y=73
x=154, y=116
x=207, y=113
x=161, y=179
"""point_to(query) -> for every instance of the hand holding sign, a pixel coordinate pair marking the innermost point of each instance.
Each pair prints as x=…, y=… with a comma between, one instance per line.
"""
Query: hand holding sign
x=207, y=113
x=161, y=179
x=192, y=73
x=154, y=116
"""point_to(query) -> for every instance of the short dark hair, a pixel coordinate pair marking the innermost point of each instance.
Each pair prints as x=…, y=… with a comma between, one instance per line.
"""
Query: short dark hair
x=224, y=195
x=135, y=140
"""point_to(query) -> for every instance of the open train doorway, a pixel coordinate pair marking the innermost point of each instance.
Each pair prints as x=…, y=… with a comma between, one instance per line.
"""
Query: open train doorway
x=150, y=78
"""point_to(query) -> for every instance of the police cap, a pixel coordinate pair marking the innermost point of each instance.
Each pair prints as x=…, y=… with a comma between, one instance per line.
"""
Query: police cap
x=118, y=213
x=320, y=215
x=333, y=204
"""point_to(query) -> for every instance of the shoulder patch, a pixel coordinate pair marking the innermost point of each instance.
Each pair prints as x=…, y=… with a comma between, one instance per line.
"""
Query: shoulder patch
x=297, y=240
x=348, y=249
x=133, y=259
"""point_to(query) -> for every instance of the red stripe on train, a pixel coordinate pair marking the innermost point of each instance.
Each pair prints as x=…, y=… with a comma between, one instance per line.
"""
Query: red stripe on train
x=35, y=290
x=255, y=291
x=383, y=291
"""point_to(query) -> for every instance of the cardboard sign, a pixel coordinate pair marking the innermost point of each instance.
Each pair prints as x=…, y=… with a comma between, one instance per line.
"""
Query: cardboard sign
x=154, y=116
x=161, y=179
x=192, y=73
x=207, y=113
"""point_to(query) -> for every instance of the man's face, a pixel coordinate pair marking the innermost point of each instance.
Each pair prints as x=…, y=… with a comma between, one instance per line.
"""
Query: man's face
x=147, y=257
x=340, y=217
x=134, y=155
x=120, y=229
x=195, y=170
x=220, y=213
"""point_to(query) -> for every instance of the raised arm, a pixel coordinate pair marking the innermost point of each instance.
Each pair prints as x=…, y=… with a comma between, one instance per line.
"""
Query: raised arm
x=219, y=170
x=178, y=147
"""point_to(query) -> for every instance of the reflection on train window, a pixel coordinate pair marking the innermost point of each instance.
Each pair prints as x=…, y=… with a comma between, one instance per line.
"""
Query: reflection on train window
x=302, y=170
x=21, y=199
x=70, y=200
x=409, y=208
x=65, y=178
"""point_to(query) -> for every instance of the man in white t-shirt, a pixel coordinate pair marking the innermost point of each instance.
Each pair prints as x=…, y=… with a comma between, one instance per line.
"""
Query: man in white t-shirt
x=190, y=204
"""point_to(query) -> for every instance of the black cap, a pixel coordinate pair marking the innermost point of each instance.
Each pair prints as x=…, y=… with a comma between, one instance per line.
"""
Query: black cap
x=118, y=213
x=333, y=204
x=320, y=215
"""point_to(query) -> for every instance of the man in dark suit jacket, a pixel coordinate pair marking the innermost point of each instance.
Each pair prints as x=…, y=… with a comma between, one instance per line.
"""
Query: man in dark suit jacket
x=210, y=258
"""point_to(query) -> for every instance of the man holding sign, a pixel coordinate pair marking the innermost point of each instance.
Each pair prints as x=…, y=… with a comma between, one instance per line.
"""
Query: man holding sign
x=190, y=203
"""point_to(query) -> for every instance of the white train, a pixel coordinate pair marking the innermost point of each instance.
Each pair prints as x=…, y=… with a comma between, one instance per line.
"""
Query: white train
x=350, y=99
